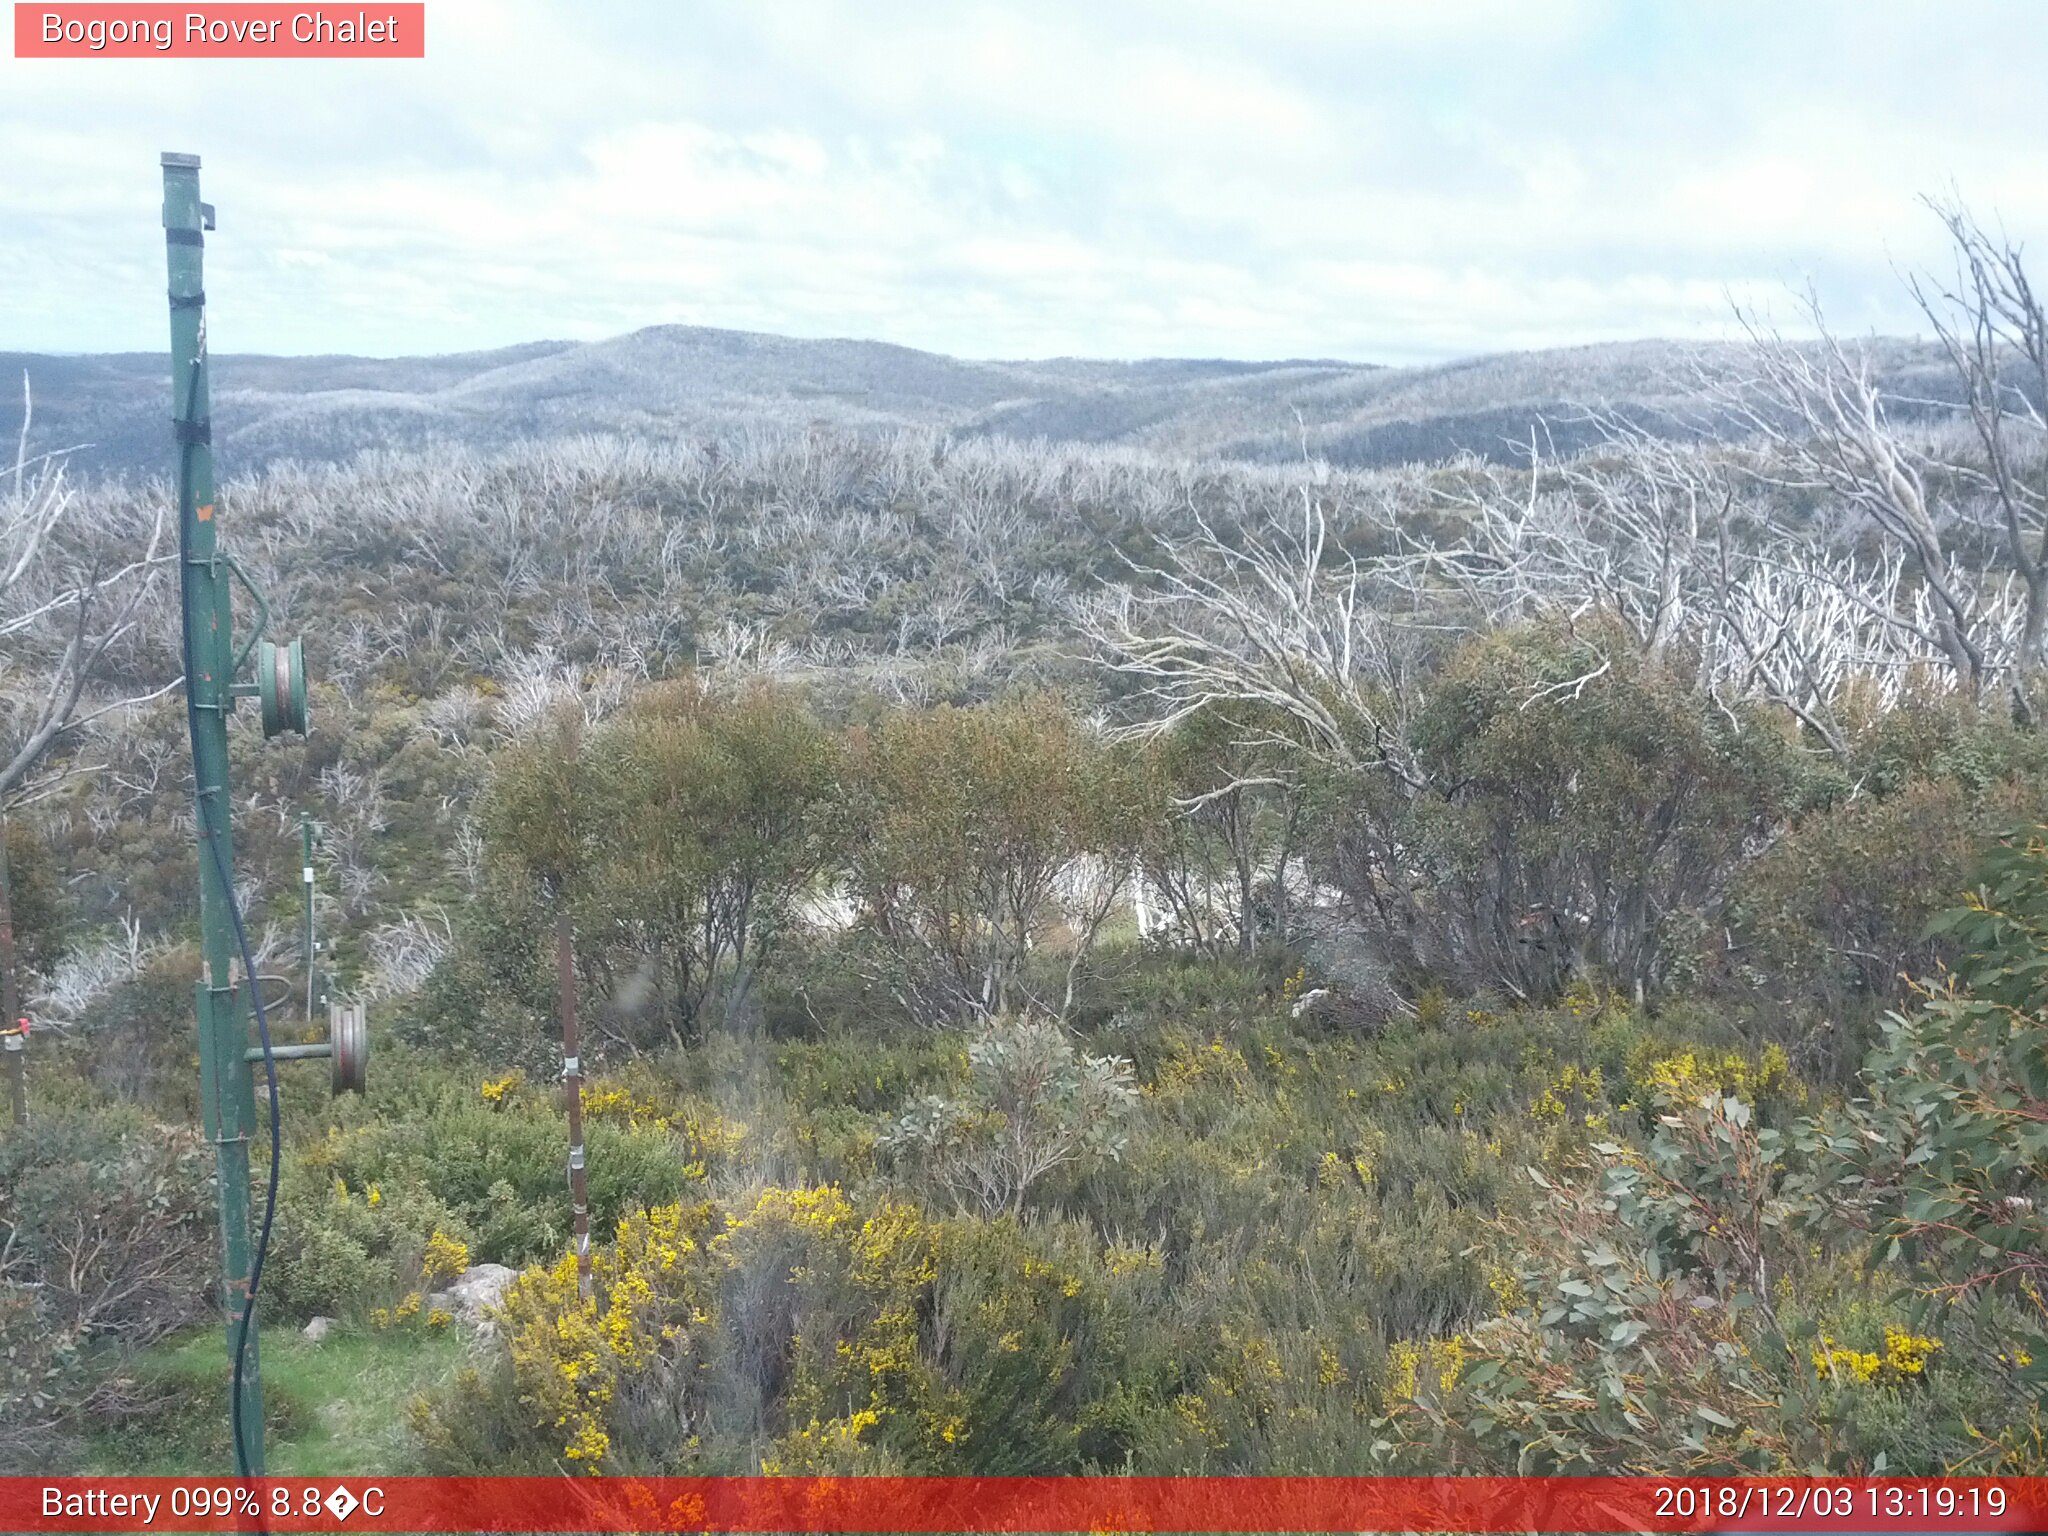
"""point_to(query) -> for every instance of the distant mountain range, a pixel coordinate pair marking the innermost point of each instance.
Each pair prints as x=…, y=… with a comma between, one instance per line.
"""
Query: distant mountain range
x=670, y=380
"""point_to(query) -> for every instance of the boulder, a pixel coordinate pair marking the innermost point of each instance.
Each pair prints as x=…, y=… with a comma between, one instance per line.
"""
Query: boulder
x=479, y=1288
x=318, y=1329
x=1308, y=1002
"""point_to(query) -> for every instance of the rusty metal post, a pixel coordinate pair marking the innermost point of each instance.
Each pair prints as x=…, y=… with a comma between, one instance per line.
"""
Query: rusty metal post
x=14, y=1046
x=13, y=1027
x=572, y=1079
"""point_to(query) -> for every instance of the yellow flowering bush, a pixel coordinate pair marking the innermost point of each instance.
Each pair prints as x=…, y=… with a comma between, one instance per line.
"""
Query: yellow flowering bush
x=796, y=1297
x=1036, y=1328
x=1509, y=1293
x=348, y=1249
x=446, y=1257
x=639, y=1104
x=1832, y=1360
x=1906, y=1354
x=1292, y=986
x=1430, y=1364
x=850, y=1335
x=871, y=1272
x=1685, y=1077
x=570, y=1353
x=834, y=1446
x=397, y=1316
x=1330, y=1370
x=1191, y=1065
x=1569, y=1094
x=1904, y=1358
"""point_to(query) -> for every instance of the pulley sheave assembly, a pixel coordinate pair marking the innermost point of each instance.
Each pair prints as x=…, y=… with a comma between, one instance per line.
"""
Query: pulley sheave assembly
x=348, y=1038
x=346, y=1049
x=281, y=686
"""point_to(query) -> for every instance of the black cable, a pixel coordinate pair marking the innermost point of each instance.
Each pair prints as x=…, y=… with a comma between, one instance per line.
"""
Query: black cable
x=188, y=438
x=276, y=1139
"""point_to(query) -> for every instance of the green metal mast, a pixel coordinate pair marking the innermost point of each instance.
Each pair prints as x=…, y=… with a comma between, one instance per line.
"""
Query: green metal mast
x=227, y=1086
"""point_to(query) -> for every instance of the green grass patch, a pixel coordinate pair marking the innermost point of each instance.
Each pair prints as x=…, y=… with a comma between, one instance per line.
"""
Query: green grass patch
x=330, y=1409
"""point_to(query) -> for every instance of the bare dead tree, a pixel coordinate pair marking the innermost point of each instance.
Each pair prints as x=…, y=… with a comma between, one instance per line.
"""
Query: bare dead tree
x=1671, y=539
x=1991, y=324
x=1622, y=528
x=1818, y=412
x=64, y=605
x=1268, y=620
x=1804, y=626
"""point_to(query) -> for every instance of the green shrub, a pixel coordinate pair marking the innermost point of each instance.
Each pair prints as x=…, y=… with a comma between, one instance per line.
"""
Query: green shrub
x=1682, y=1305
x=1032, y=1104
x=1582, y=806
x=1835, y=913
x=42, y=909
x=493, y=1169
x=982, y=836
x=106, y=1243
x=343, y=1251
x=110, y=1216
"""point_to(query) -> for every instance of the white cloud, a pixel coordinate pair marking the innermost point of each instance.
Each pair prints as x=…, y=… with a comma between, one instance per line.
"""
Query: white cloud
x=1388, y=181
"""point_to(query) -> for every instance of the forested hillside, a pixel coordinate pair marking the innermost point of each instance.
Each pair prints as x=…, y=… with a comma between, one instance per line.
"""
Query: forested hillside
x=670, y=381
x=1164, y=950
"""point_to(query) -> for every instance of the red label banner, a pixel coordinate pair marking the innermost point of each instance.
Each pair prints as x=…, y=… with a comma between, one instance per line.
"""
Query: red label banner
x=236, y=31
x=1049, y=1504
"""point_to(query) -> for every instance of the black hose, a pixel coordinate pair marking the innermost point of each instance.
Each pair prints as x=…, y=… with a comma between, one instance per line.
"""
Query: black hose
x=227, y=884
x=276, y=1138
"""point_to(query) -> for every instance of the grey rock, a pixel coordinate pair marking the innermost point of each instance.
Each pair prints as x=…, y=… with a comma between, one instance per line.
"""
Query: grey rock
x=480, y=1288
x=318, y=1329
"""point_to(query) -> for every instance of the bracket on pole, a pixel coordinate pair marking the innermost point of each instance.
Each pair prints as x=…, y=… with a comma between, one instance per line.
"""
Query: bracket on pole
x=346, y=1048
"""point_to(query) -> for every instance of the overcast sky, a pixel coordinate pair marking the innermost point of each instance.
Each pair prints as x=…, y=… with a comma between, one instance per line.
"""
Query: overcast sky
x=1243, y=178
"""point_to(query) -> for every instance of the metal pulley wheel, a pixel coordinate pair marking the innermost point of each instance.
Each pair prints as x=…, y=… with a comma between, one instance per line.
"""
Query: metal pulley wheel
x=348, y=1037
x=281, y=686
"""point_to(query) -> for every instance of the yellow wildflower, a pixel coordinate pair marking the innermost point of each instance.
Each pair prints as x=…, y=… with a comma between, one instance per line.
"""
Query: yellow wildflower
x=445, y=1258
x=1905, y=1353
